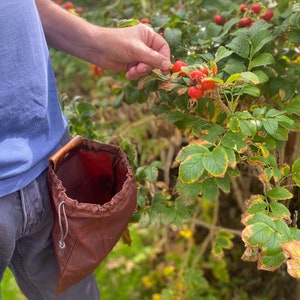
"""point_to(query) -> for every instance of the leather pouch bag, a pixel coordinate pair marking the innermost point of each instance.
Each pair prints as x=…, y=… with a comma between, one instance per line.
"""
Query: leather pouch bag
x=93, y=192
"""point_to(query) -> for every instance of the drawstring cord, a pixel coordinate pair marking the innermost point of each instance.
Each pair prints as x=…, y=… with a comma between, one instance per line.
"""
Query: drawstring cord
x=61, y=242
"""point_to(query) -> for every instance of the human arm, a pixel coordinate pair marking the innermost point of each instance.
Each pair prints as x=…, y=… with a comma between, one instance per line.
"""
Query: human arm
x=135, y=50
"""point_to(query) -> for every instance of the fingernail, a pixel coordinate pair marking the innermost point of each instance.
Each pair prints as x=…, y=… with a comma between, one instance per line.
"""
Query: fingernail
x=165, y=65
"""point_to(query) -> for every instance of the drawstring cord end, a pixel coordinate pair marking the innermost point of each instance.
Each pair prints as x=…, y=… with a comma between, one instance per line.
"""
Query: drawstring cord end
x=63, y=235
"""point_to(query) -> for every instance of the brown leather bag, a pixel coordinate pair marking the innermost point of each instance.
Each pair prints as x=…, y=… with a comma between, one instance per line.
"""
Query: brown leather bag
x=93, y=192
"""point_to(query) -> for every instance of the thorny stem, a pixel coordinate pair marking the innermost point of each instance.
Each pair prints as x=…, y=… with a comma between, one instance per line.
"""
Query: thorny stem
x=221, y=103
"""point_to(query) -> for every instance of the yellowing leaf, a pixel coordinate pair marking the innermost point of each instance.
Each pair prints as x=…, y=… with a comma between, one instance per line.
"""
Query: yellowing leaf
x=251, y=254
x=293, y=268
x=256, y=235
x=279, y=193
x=192, y=168
x=292, y=253
x=216, y=162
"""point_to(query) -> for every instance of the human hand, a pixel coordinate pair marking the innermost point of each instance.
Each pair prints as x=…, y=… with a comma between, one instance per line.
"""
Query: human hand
x=136, y=50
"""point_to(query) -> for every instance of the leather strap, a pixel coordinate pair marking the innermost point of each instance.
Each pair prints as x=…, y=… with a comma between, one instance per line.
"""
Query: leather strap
x=63, y=152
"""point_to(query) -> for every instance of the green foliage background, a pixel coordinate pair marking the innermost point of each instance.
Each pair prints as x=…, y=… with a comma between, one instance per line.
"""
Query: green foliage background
x=186, y=234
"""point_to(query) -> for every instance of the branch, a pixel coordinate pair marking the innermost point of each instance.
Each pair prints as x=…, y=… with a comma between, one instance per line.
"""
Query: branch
x=212, y=227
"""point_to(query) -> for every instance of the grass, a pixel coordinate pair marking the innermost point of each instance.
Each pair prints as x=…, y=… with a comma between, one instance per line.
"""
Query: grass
x=9, y=288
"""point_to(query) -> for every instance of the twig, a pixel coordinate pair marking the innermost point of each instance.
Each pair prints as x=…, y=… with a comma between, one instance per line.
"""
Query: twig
x=237, y=193
x=212, y=227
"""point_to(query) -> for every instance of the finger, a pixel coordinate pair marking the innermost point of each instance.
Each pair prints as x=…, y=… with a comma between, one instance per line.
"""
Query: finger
x=154, y=50
x=137, y=71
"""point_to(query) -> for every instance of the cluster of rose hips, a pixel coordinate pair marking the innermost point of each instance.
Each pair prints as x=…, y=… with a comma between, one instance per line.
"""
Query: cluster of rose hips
x=200, y=78
x=249, y=15
x=69, y=6
x=95, y=71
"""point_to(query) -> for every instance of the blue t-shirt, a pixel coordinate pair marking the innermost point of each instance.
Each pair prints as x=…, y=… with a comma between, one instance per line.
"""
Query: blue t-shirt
x=31, y=123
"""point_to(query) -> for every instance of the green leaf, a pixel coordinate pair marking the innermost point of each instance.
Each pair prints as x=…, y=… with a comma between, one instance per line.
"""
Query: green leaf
x=216, y=162
x=258, y=161
x=281, y=134
x=261, y=75
x=188, y=192
x=282, y=228
x=250, y=76
x=231, y=157
x=210, y=189
x=251, y=90
x=213, y=30
x=160, y=212
x=248, y=127
x=284, y=87
x=261, y=60
x=272, y=246
x=273, y=113
x=295, y=233
x=183, y=212
x=259, y=111
x=151, y=173
x=128, y=22
x=173, y=36
x=270, y=125
x=272, y=262
x=263, y=218
x=257, y=234
x=294, y=106
x=259, y=40
x=221, y=53
x=279, y=193
x=235, y=141
x=233, y=78
x=241, y=115
x=223, y=183
x=258, y=207
x=190, y=150
x=234, y=124
x=217, y=251
x=224, y=240
x=240, y=45
x=296, y=171
x=294, y=36
x=295, y=20
x=296, y=7
x=86, y=109
x=258, y=26
x=192, y=168
x=234, y=66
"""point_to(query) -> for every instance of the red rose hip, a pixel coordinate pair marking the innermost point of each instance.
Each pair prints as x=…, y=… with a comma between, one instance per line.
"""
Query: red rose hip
x=195, y=92
x=219, y=19
x=177, y=66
